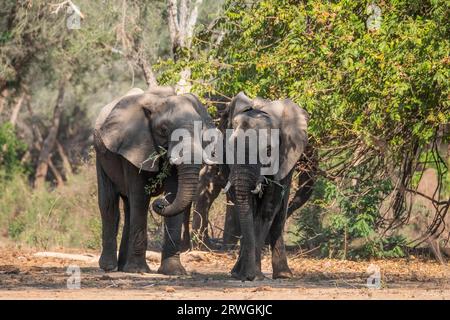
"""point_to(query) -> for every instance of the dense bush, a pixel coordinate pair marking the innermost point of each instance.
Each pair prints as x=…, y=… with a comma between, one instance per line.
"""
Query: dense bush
x=377, y=97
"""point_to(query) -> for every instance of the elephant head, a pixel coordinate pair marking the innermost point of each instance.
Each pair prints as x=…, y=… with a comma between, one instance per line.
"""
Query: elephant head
x=140, y=125
x=284, y=115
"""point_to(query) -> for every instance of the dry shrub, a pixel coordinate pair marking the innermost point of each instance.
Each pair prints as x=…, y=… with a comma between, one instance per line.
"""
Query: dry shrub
x=66, y=216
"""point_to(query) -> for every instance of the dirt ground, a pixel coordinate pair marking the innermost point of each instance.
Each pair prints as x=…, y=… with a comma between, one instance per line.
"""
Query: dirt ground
x=26, y=275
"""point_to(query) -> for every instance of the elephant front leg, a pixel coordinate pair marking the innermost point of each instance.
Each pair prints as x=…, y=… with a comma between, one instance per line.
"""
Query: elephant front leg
x=186, y=241
x=123, y=251
x=108, y=201
x=170, y=259
x=137, y=237
x=245, y=267
x=231, y=230
x=261, y=231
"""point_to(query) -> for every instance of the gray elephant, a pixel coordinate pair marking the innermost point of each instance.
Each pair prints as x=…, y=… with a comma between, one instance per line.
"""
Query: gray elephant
x=261, y=200
x=129, y=134
x=213, y=178
x=305, y=175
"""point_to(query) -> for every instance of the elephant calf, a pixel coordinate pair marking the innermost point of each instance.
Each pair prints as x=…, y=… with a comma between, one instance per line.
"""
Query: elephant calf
x=129, y=134
x=260, y=196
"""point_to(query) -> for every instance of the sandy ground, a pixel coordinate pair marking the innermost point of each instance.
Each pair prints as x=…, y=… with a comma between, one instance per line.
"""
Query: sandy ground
x=23, y=275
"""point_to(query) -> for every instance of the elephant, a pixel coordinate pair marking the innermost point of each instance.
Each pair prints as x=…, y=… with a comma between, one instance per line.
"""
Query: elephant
x=213, y=178
x=261, y=197
x=305, y=175
x=131, y=135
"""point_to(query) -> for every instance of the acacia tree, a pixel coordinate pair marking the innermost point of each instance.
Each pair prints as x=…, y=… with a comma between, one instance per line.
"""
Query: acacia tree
x=377, y=96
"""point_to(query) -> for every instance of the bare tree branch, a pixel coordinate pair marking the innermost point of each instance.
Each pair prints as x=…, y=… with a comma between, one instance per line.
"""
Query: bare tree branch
x=190, y=24
x=183, y=18
x=65, y=160
x=50, y=140
x=3, y=99
x=174, y=28
x=55, y=172
x=133, y=51
x=16, y=110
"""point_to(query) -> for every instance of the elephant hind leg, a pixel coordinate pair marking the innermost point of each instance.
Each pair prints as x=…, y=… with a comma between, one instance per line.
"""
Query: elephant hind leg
x=123, y=251
x=280, y=266
x=108, y=201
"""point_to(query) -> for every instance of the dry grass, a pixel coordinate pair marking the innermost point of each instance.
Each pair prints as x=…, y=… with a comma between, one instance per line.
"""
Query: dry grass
x=66, y=216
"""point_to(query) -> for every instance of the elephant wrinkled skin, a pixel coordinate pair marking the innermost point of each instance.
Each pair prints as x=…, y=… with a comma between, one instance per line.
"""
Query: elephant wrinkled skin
x=261, y=201
x=128, y=131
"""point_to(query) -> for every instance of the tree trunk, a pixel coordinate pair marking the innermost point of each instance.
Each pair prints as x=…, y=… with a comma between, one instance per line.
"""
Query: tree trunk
x=149, y=76
x=55, y=172
x=182, y=20
x=65, y=160
x=50, y=140
x=3, y=98
x=35, y=129
x=16, y=110
x=133, y=49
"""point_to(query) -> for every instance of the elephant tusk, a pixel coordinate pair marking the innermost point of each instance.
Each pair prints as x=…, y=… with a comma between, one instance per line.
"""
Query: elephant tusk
x=227, y=187
x=210, y=162
x=257, y=189
x=175, y=161
x=207, y=160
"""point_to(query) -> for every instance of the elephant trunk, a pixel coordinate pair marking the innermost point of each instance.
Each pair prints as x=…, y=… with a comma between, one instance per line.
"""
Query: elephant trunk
x=187, y=187
x=244, y=181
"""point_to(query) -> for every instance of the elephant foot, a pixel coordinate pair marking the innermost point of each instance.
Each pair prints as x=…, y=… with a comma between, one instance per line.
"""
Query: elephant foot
x=135, y=267
x=108, y=262
x=282, y=274
x=259, y=276
x=240, y=272
x=172, y=266
x=121, y=264
x=244, y=276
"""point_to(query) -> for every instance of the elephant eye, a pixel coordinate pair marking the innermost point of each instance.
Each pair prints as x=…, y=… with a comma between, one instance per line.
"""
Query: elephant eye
x=164, y=130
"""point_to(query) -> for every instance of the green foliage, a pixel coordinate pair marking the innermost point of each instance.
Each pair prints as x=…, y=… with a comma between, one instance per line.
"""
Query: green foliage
x=11, y=149
x=343, y=224
x=164, y=171
x=376, y=97
x=389, y=85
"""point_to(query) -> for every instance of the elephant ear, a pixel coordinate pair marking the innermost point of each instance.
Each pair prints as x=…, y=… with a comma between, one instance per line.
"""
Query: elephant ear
x=162, y=91
x=201, y=110
x=292, y=122
x=294, y=136
x=126, y=130
x=237, y=105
